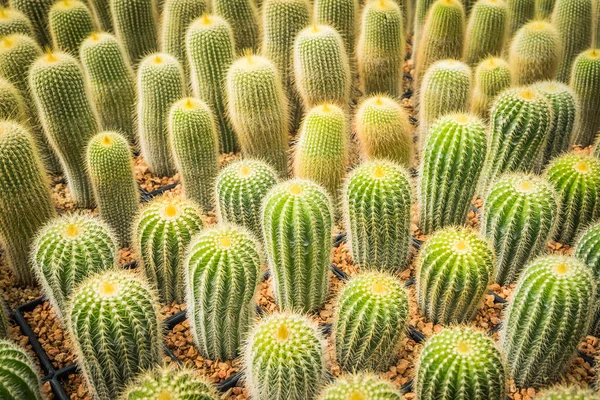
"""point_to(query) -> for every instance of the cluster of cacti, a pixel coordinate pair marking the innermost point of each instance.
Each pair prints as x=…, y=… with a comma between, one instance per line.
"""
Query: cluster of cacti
x=360, y=386
x=18, y=376
x=491, y=77
x=135, y=25
x=13, y=21
x=243, y=19
x=585, y=82
x=70, y=22
x=170, y=383
x=37, y=12
x=486, y=31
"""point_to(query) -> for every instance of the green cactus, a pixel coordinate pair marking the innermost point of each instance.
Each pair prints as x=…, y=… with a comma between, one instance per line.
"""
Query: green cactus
x=70, y=23
x=240, y=188
x=492, y=76
x=447, y=184
x=421, y=9
x=162, y=233
x=460, y=363
x=284, y=358
x=519, y=13
x=66, y=251
x=376, y=201
x=363, y=386
x=195, y=147
x=12, y=106
x=258, y=110
x=486, y=31
x=209, y=46
x=117, y=330
x=136, y=26
x=587, y=249
x=585, y=82
x=13, y=21
x=455, y=267
x=223, y=267
x=321, y=153
x=242, y=16
x=369, y=339
x=37, y=12
x=575, y=178
x=568, y=393
x=381, y=49
x=160, y=84
x=543, y=9
x=549, y=315
x=19, y=376
x=322, y=70
x=4, y=324
x=297, y=220
x=341, y=15
x=103, y=14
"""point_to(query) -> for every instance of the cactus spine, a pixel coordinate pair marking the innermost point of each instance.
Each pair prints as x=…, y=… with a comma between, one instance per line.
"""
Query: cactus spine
x=136, y=26
x=519, y=13
x=12, y=106
x=14, y=22
x=363, y=386
x=568, y=393
x=492, y=76
x=19, y=375
x=342, y=15
x=37, y=11
x=587, y=249
x=421, y=9
x=486, y=31
x=70, y=22
x=103, y=14
x=242, y=16
x=585, y=82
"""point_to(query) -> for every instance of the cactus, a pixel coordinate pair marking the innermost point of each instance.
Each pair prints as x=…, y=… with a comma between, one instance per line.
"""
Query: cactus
x=587, y=249
x=486, y=31
x=284, y=359
x=116, y=329
x=421, y=9
x=460, y=363
x=209, y=46
x=297, y=220
x=240, y=188
x=321, y=153
x=363, y=386
x=136, y=26
x=12, y=106
x=543, y=9
x=19, y=375
x=70, y=23
x=568, y=393
x=377, y=200
x=222, y=274
x=195, y=147
x=575, y=178
x=66, y=251
x=518, y=219
x=103, y=14
x=14, y=22
x=258, y=110
x=4, y=324
x=242, y=16
x=585, y=82
x=455, y=267
x=342, y=15
x=37, y=11
x=519, y=13
x=380, y=49
x=160, y=84
x=492, y=76
x=384, y=131
x=322, y=70
x=447, y=184
x=162, y=233
x=549, y=315
x=369, y=339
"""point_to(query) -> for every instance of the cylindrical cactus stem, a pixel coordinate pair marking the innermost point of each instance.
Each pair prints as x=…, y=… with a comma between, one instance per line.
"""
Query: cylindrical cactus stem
x=242, y=16
x=322, y=70
x=103, y=14
x=447, y=184
x=377, y=199
x=162, y=233
x=209, y=47
x=543, y=9
x=4, y=324
x=19, y=375
x=136, y=26
x=24, y=195
x=360, y=386
x=486, y=31
x=110, y=165
x=195, y=147
x=381, y=48
x=12, y=105
x=459, y=362
x=13, y=21
x=548, y=316
x=492, y=76
x=568, y=393
x=587, y=249
x=535, y=53
x=519, y=13
x=421, y=9
x=342, y=15
x=240, y=188
x=321, y=153
x=70, y=23
x=284, y=358
x=585, y=82
x=575, y=178
x=518, y=219
x=116, y=327
x=160, y=84
x=369, y=339
x=37, y=12
x=225, y=256
x=294, y=213
x=258, y=110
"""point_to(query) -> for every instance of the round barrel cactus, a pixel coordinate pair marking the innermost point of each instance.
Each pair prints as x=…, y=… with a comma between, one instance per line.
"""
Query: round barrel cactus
x=18, y=375
x=360, y=386
x=168, y=383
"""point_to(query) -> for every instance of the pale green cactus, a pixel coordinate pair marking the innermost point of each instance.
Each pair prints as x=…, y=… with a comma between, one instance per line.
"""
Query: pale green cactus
x=242, y=16
x=587, y=249
x=12, y=105
x=19, y=378
x=13, y=21
x=360, y=386
x=341, y=15
x=103, y=14
x=486, y=31
x=492, y=76
x=519, y=13
x=585, y=82
x=70, y=23
x=37, y=12
x=136, y=26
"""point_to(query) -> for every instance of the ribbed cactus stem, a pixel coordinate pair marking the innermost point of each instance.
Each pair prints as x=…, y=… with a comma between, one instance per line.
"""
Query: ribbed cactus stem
x=4, y=324
x=360, y=386
x=585, y=82
x=342, y=15
x=519, y=13
x=587, y=249
x=70, y=22
x=492, y=76
x=242, y=16
x=103, y=14
x=12, y=105
x=486, y=31
x=13, y=21
x=19, y=376
x=136, y=26
x=167, y=383
x=37, y=12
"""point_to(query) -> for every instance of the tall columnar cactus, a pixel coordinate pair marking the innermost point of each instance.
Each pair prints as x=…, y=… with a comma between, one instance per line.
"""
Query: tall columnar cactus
x=136, y=26
x=376, y=201
x=518, y=219
x=587, y=249
x=13, y=21
x=19, y=376
x=321, y=153
x=116, y=329
x=341, y=15
x=460, y=363
x=4, y=324
x=242, y=16
x=70, y=23
x=37, y=12
x=295, y=213
x=384, y=131
x=548, y=316
x=12, y=105
x=447, y=184
x=284, y=358
x=240, y=188
x=195, y=147
x=585, y=82
x=535, y=53
x=369, y=339
x=381, y=49
x=486, y=31
x=66, y=251
x=162, y=233
x=110, y=165
x=258, y=110
x=492, y=76
x=519, y=13
x=421, y=9
x=568, y=393
x=222, y=273
x=24, y=195
x=455, y=267
x=543, y=8
x=103, y=14
x=209, y=47
x=322, y=70
x=575, y=178
x=360, y=386
x=160, y=84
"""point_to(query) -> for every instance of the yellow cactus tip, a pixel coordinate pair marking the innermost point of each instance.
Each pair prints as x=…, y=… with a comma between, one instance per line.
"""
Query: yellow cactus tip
x=94, y=36
x=582, y=167
x=296, y=190
x=538, y=25
x=171, y=210
x=66, y=3
x=108, y=288
x=3, y=13
x=72, y=231
x=326, y=107
x=165, y=395
x=50, y=56
x=6, y=42
x=595, y=53
x=189, y=103
x=378, y=172
x=526, y=186
x=245, y=170
x=378, y=288
x=225, y=242
x=383, y=3
x=463, y=348
x=527, y=94
x=206, y=19
x=561, y=269
x=461, y=118
x=448, y=2
x=491, y=63
x=249, y=56
x=461, y=246
x=107, y=140
x=315, y=28
x=379, y=101
x=356, y=395
x=158, y=59
x=283, y=333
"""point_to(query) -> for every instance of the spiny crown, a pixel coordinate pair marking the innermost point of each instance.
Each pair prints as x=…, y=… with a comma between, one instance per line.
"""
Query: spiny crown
x=208, y=21
x=361, y=387
x=168, y=383
x=459, y=343
x=378, y=287
x=460, y=243
x=285, y=334
x=378, y=109
x=576, y=166
x=75, y=228
x=378, y=172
